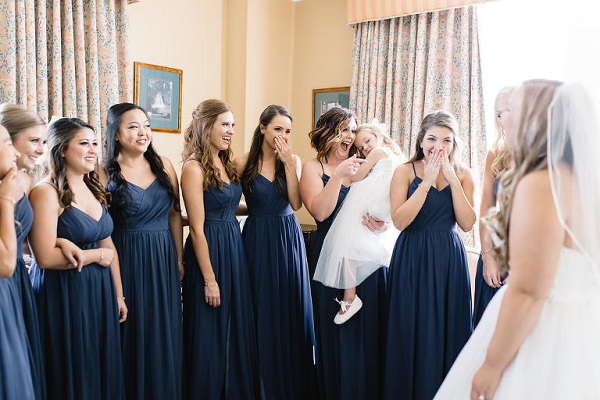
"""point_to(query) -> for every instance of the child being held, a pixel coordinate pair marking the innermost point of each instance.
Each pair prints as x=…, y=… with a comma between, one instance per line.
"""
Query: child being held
x=351, y=252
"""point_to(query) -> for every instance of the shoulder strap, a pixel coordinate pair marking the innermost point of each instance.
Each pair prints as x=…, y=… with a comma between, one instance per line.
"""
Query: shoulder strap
x=414, y=170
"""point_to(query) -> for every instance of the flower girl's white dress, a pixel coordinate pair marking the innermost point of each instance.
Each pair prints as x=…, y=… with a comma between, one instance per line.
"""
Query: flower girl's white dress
x=351, y=252
x=560, y=359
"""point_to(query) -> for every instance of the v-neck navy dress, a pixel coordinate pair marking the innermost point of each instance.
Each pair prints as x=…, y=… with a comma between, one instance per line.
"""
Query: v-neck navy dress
x=429, y=318
x=79, y=318
x=349, y=356
x=26, y=298
x=280, y=284
x=151, y=337
x=17, y=356
x=220, y=353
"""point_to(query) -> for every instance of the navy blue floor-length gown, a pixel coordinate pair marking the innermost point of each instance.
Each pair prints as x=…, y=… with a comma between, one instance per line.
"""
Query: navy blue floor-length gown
x=349, y=356
x=79, y=318
x=220, y=353
x=26, y=298
x=483, y=291
x=151, y=337
x=16, y=354
x=429, y=300
x=280, y=282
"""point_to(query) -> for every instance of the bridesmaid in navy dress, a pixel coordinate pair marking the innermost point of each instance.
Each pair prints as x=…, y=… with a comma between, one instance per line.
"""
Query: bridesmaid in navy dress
x=80, y=298
x=220, y=353
x=488, y=279
x=276, y=258
x=348, y=355
x=149, y=240
x=28, y=134
x=15, y=371
x=429, y=317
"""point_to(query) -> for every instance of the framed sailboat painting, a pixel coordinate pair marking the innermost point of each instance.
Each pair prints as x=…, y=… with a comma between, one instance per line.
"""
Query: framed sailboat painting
x=158, y=90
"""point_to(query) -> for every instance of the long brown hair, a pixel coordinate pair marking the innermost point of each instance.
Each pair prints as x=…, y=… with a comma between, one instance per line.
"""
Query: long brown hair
x=197, y=143
x=60, y=134
x=327, y=132
x=441, y=119
x=255, y=154
x=529, y=151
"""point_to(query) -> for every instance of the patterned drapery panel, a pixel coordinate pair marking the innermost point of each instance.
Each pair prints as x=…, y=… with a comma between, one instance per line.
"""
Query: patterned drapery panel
x=369, y=10
x=404, y=68
x=65, y=58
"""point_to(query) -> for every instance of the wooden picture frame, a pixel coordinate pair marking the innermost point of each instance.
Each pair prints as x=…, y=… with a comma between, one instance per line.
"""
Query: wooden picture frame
x=157, y=90
x=325, y=99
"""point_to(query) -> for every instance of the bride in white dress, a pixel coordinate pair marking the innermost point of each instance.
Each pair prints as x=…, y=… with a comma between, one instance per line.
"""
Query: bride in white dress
x=539, y=338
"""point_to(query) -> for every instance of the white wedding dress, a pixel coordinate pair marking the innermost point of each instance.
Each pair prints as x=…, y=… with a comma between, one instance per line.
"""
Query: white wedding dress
x=351, y=252
x=560, y=359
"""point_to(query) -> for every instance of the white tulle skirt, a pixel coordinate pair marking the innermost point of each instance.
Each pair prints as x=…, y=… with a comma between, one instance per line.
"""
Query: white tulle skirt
x=351, y=252
x=560, y=359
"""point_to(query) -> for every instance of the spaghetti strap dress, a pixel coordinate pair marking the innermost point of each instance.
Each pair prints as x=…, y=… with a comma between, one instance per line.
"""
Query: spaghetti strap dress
x=483, y=291
x=151, y=337
x=79, y=317
x=15, y=352
x=220, y=351
x=26, y=298
x=429, y=318
x=349, y=355
x=280, y=283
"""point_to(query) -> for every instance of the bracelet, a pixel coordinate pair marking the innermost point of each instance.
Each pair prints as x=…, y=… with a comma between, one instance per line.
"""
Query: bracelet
x=101, y=254
x=121, y=297
x=210, y=283
x=422, y=188
x=13, y=201
x=486, y=251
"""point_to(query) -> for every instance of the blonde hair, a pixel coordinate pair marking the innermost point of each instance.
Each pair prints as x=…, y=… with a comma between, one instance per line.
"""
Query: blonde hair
x=197, y=143
x=529, y=152
x=502, y=159
x=381, y=132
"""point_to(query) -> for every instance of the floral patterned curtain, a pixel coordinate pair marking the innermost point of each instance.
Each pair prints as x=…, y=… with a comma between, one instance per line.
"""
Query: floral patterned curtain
x=65, y=57
x=404, y=68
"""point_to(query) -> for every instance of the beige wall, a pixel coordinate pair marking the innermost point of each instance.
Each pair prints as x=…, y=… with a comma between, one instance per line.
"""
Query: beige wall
x=183, y=34
x=322, y=59
x=250, y=53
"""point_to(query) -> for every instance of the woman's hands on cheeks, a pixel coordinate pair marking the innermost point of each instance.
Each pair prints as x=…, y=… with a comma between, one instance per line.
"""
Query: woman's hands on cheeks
x=485, y=383
x=432, y=168
x=348, y=167
x=448, y=169
x=212, y=294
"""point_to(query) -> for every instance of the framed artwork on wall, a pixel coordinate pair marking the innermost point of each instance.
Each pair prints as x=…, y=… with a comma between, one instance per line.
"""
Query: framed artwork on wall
x=158, y=90
x=326, y=99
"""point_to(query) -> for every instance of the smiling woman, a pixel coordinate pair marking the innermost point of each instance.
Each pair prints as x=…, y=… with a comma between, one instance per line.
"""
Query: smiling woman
x=220, y=353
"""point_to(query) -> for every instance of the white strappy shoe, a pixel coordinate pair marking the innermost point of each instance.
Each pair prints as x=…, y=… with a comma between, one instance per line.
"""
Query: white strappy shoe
x=349, y=310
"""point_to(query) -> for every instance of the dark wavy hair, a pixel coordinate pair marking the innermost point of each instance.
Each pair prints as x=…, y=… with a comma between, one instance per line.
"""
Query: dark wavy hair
x=60, y=134
x=197, y=143
x=255, y=154
x=327, y=132
x=119, y=195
